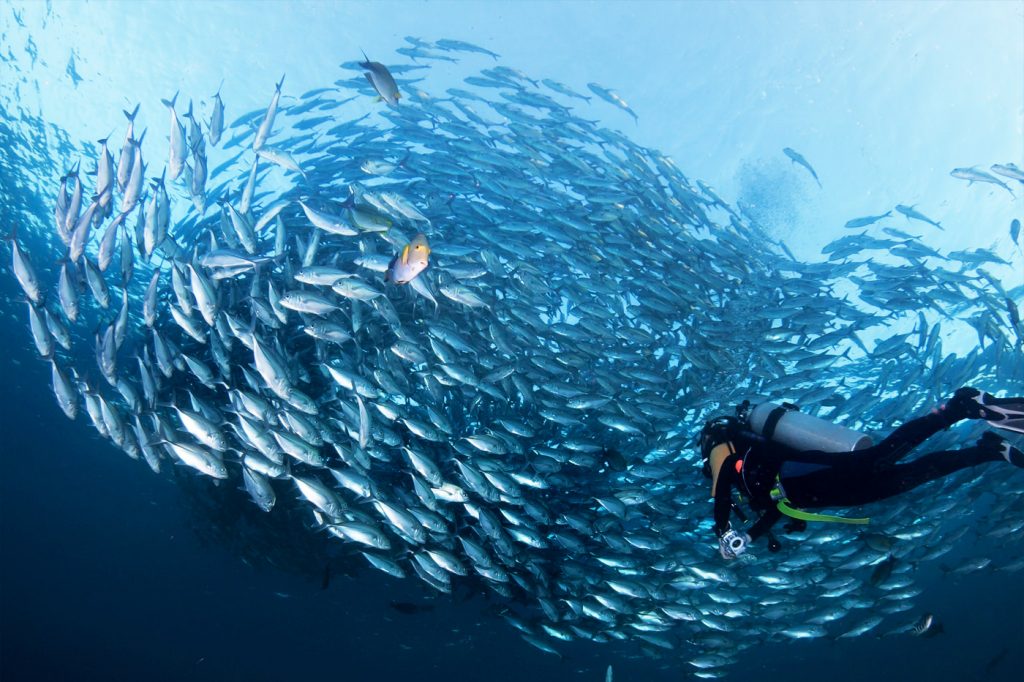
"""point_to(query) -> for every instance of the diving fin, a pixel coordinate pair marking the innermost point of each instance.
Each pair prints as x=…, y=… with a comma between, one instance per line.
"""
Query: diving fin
x=1003, y=413
x=1011, y=422
x=996, y=443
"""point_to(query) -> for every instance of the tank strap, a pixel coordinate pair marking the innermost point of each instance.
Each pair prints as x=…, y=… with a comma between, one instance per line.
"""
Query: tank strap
x=773, y=420
x=782, y=504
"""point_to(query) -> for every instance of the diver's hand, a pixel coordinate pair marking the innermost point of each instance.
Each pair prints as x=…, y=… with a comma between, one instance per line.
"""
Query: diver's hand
x=732, y=544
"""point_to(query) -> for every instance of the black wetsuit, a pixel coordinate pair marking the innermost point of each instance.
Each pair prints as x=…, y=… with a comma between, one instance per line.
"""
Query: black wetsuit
x=816, y=479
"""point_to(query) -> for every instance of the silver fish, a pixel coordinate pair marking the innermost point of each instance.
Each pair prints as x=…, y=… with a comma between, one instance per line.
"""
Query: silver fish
x=216, y=118
x=178, y=148
x=267, y=124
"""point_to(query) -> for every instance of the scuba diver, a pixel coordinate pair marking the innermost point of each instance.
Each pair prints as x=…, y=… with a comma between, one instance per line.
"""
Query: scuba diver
x=784, y=461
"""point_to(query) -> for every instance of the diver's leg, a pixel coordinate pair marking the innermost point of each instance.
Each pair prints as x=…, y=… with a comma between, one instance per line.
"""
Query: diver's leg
x=964, y=404
x=899, y=478
x=908, y=436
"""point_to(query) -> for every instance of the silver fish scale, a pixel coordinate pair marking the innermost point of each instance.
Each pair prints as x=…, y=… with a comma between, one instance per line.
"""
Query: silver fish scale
x=589, y=297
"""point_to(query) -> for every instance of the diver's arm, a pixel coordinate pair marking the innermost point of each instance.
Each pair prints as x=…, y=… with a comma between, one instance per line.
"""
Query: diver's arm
x=764, y=524
x=723, y=493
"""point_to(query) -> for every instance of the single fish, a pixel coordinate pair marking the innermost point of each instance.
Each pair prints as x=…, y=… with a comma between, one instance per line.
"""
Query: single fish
x=564, y=89
x=72, y=72
x=612, y=97
x=464, y=295
x=105, y=177
x=927, y=626
x=866, y=220
x=403, y=206
x=381, y=80
x=281, y=158
x=259, y=489
x=1009, y=170
x=127, y=158
x=217, y=118
x=64, y=389
x=23, y=271
x=328, y=223
x=913, y=214
x=135, y=182
x=67, y=291
x=267, y=124
x=179, y=149
x=83, y=230
x=462, y=46
x=413, y=259
x=798, y=158
x=199, y=458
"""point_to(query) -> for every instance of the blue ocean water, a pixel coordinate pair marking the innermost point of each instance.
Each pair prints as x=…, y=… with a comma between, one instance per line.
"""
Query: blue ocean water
x=110, y=572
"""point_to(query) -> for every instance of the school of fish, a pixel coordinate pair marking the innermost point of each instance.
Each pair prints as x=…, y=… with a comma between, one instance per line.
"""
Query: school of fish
x=475, y=333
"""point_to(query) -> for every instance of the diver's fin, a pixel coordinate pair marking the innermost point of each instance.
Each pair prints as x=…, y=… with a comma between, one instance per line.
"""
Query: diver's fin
x=1014, y=422
x=1003, y=413
x=998, y=444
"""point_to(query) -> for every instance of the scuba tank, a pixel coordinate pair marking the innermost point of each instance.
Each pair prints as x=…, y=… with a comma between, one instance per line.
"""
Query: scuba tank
x=785, y=424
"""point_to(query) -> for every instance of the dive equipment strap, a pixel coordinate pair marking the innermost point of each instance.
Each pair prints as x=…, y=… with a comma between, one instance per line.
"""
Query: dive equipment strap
x=773, y=418
x=782, y=504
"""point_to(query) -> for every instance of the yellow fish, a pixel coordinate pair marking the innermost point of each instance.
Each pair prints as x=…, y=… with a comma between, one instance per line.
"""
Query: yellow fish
x=413, y=260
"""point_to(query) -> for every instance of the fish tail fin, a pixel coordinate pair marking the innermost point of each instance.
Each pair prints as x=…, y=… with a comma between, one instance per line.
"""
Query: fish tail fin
x=279, y=83
x=135, y=112
x=163, y=176
x=188, y=114
x=217, y=94
x=170, y=103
